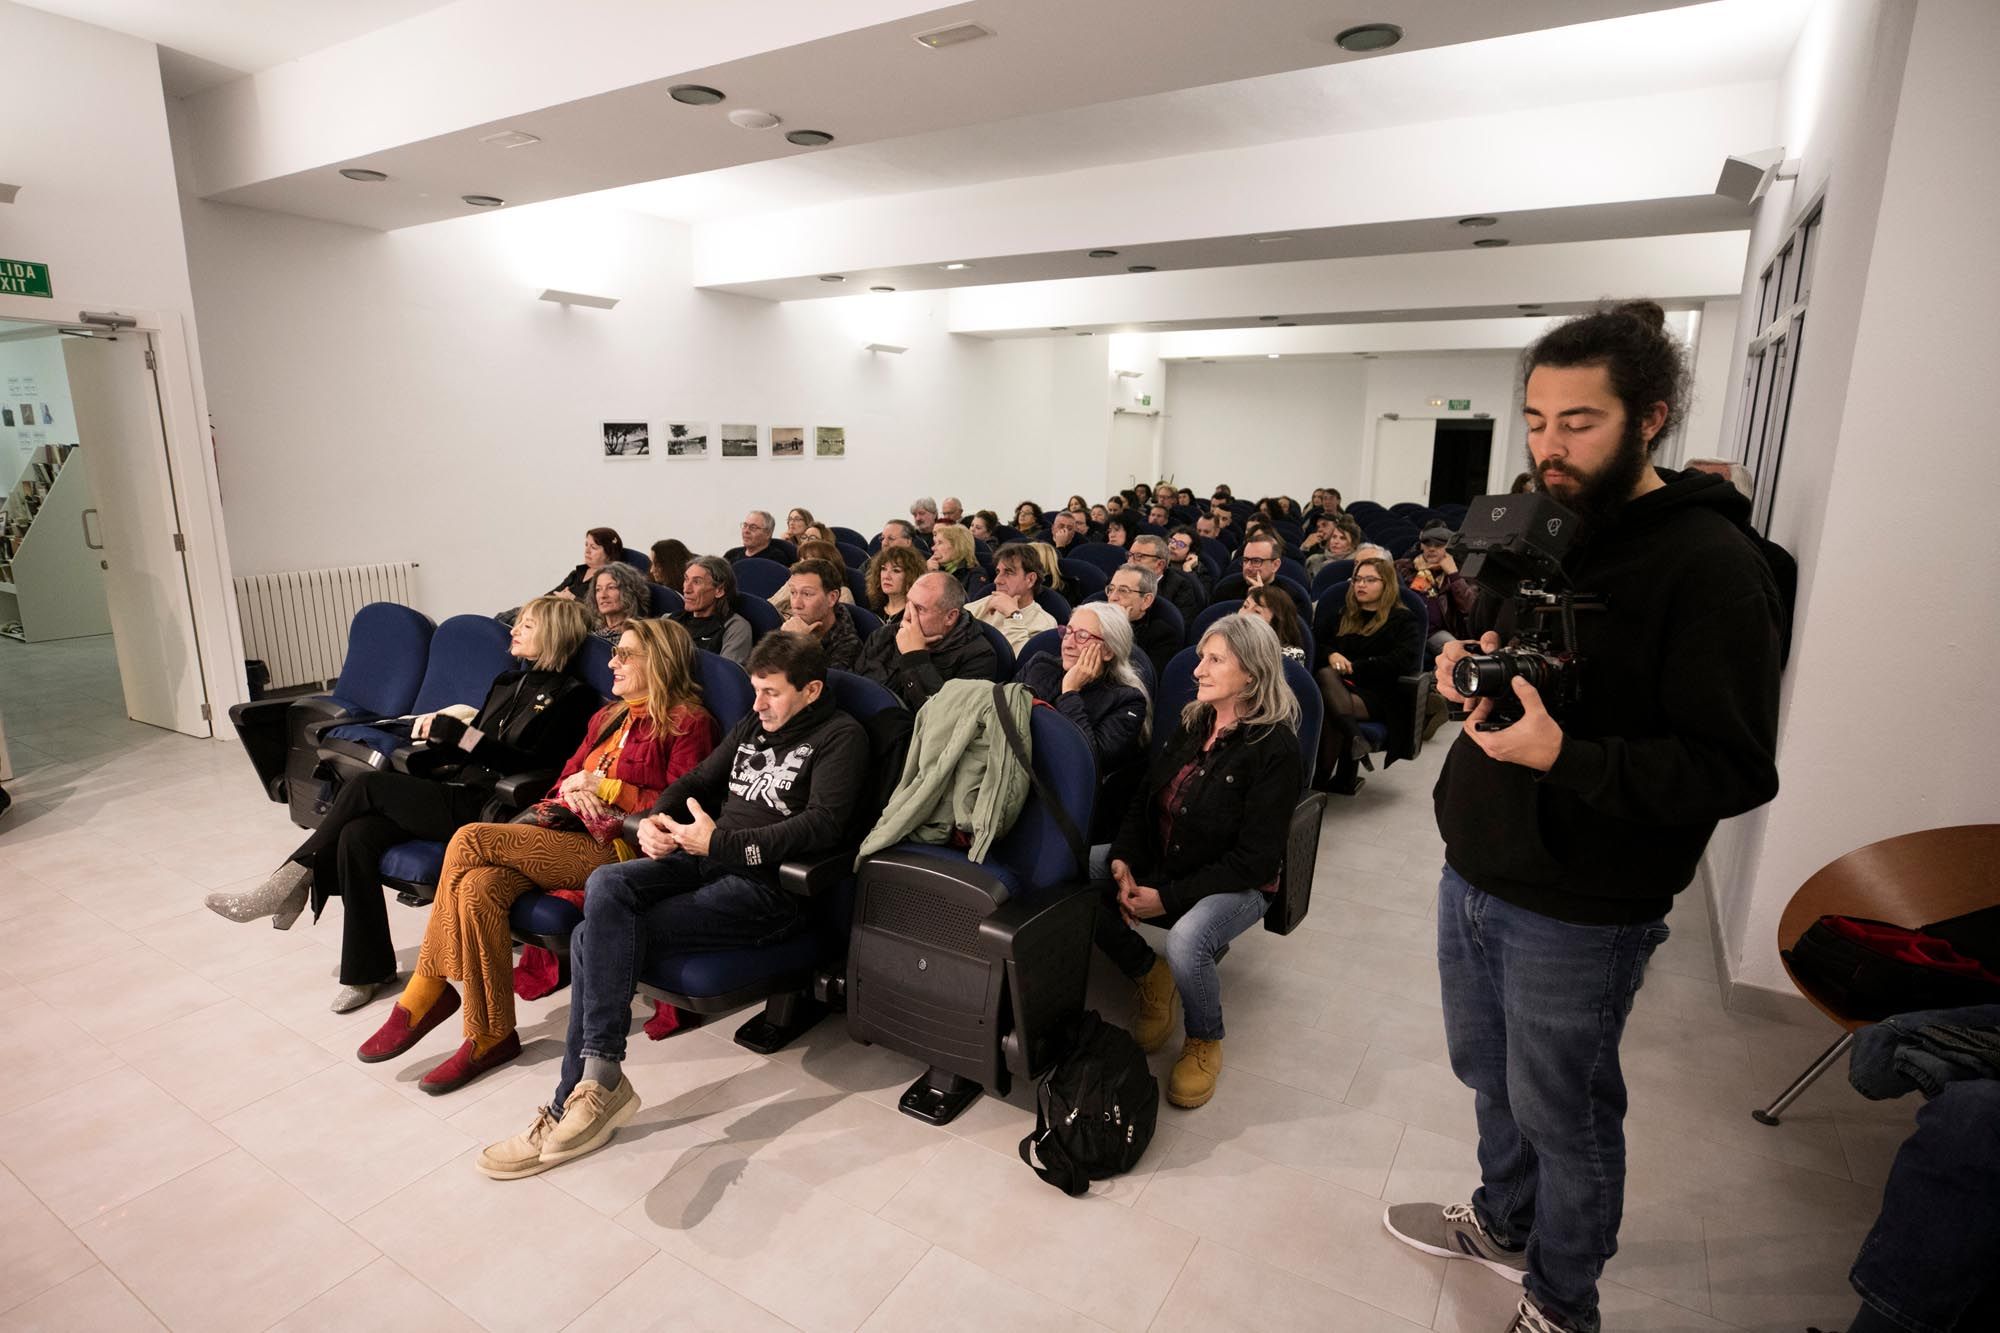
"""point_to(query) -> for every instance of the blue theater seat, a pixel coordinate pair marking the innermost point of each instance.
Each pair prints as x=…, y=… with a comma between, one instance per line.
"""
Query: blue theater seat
x=760, y=577
x=466, y=653
x=763, y=617
x=1103, y=555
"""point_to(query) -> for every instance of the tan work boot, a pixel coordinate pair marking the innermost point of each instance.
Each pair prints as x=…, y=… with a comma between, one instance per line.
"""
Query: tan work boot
x=1156, y=1007
x=1192, y=1082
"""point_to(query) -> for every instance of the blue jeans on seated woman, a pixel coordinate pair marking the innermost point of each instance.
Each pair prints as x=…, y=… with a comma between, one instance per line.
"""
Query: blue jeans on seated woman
x=645, y=908
x=1533, y=1012
x=1195, y=940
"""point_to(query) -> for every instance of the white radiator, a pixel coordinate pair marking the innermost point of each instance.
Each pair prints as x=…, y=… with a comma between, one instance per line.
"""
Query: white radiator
x=296, y=622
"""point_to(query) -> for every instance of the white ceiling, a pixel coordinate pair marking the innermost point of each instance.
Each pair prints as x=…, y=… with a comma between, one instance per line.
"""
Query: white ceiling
x=212, y=41
x=1707, y=45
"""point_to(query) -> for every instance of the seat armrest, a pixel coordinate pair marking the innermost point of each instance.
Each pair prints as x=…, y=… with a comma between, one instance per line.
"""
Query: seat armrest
x=259, y=712
x=518, y=791
x=314, y=729
x=811, y=878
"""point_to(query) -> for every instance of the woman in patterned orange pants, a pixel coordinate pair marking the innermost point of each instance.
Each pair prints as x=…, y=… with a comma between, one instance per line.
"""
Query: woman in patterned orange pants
x=635, y=747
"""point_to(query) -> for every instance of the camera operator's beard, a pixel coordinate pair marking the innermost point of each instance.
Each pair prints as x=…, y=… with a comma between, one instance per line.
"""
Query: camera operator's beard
x=1599, y=496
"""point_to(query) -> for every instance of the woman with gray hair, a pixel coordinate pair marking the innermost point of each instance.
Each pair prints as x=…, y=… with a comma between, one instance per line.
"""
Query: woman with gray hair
x=1202, y=844
x=1091, y=682
x=618, y=597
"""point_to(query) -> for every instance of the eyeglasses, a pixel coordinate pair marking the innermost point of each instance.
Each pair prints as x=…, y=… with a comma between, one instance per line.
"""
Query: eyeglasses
x=1120, y=590
x=1260, y=559
x=626, y=654
x=1083, y=636
x=1367, y=578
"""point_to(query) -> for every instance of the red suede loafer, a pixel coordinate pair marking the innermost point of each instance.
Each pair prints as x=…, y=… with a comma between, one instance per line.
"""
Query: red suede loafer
x=464, y=1066
x=397, y=1034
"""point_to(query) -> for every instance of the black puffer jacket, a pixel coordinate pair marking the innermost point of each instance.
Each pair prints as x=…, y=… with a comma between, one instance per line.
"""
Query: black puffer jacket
x=1233, y=822
x=1111, y=716
x=531, y=719
x=962, y=654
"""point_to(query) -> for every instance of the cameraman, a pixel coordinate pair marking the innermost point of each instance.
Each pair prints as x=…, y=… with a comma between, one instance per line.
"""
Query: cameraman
x=1566, y=838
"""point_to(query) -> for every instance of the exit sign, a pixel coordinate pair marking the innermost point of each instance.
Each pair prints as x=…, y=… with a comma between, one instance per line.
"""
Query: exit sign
x=18, y=277
x=1461, y=405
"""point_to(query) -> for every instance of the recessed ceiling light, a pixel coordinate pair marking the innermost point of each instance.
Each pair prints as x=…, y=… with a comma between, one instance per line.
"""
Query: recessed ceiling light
x=833, y=277
x=1272, y=240
x=509, y=139
x=953, y=268
x=483, y=200
x=1490, y=242
x=1103, y=254
x=956, y=35
x=881, y=289
x=1288, y=323
x=1270, y=356
x=363, y=174
x=1268, y=319
x=1058, y=328
x=1084, y=333
x=1477, y=220
x=809, y=138
x=1369, y=37
x=694, y=94
x=1141, y=268
x=744, y=118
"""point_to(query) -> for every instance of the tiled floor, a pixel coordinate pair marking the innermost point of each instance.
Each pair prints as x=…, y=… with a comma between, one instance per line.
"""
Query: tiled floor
x=187, y=1140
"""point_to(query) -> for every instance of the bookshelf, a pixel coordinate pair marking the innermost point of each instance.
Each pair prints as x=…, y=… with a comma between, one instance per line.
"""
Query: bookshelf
x=51, y=582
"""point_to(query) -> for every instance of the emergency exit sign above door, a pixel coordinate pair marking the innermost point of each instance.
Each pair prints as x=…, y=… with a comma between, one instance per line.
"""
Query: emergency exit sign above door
x=18, y=277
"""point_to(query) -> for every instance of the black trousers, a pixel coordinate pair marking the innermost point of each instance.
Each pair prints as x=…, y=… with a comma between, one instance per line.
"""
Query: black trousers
x=371, y=814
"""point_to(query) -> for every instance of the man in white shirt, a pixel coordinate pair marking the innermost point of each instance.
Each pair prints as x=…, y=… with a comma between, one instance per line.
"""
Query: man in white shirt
x=1011, y=607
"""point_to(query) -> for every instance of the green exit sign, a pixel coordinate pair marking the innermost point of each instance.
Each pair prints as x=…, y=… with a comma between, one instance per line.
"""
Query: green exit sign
x=1461, y=405
x=18, y=277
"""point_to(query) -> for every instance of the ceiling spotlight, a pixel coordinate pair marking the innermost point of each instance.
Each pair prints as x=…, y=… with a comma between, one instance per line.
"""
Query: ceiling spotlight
x=1084, y=333
x=1288, y=323
x=809, y=138
x=1477, y=220
x=1104, y=254
x=956, y=35
x=1058, y=328
x=694, y=94
x=881, y=289
x=832, y=277
x=363, y=174
x=509, y=139
x=1268, y=319
x=1270, y=356
x=745, y=119
x=483, y=200
x=953, y=268
x=1490, y=242
x=1369, y=37
x=1141, y=268
x=1272, y=240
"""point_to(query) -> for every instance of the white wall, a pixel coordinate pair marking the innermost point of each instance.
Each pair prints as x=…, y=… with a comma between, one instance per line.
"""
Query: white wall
x=1406, y=384
x=1265, y=427
x=405, y=396
x=1703, y=434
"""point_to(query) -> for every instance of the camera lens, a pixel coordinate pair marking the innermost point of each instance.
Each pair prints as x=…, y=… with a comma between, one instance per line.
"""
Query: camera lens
x=1479, y=675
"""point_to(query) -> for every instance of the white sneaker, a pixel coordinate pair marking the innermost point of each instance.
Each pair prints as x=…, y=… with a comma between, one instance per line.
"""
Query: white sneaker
x=590, y=1117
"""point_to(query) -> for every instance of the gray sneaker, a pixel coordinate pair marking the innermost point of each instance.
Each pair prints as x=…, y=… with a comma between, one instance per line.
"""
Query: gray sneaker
x=1452, y=1231
x=1531, y=1318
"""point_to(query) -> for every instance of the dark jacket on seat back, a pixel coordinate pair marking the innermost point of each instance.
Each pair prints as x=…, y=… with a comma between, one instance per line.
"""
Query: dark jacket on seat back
x=777, y=795
x=962, y=654
x=531, y=719
x=1188, y=593
x=1154, y=635
x=1234, y=817
x=1675, y=727
x=1111, y=716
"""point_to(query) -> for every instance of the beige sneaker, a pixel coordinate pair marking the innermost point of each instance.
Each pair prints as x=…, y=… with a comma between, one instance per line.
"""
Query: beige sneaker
x=521, y=1155
x=590, y=1117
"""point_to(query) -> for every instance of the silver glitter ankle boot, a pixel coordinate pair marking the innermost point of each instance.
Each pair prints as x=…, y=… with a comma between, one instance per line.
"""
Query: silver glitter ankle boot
x=282, y=896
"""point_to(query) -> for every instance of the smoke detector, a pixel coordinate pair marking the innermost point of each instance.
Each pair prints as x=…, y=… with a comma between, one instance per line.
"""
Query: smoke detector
x=747, y=119
x=958, y=34
x=510, y=139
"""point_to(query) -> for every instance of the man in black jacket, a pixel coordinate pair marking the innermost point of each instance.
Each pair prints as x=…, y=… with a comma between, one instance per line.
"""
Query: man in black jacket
x=930, y=642
x=1135, y=590
x=783, y=781
x=1188, y=594
x=1567, y=837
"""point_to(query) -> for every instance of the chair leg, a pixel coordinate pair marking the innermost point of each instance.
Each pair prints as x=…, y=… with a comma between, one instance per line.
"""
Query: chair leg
x=1769, y=1115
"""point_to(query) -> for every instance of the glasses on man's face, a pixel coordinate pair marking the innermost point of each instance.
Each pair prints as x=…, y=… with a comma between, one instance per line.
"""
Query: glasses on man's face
x=1260, y=559
x=1082, y=637
x=1119, y=591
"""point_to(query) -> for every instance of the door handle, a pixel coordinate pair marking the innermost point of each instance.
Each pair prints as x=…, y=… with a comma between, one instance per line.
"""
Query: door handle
x=85, y=517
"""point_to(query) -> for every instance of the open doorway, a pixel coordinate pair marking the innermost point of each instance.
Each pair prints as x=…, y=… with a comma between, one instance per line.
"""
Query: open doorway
x=1431, y=460
x=96, y=619
x=1461, y=452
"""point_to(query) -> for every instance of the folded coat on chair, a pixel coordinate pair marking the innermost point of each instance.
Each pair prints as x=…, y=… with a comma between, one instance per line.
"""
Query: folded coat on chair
x=960, y=773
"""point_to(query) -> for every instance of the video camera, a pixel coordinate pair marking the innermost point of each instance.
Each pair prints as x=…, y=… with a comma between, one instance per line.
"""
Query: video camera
x=1513, y=546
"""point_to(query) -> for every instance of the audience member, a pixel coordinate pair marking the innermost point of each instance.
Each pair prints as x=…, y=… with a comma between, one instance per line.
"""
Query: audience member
x=781, y=600
x=931, y=642
x=601, y=547
x=953, y=553
x=708, y=614
x=891, y=574
x=758, y=542
x=951, y=511
x=817, y=532
x=1140, y=494
x=1115, y=505
x=1184, y=590
x=654, y=732
x=1093, y=684
x=1184, y=499
x=1100, y=516
x=1338, y=537
x=1120, y=531
x=1065, y=531
x=1011, y=607
x=797, y=521
x=1262, y=553
x=985, y=525
x=1184, y=554
x=897, y=532
x=1051, y=563
x=620, y=597
x=1077, y=507
x=1159, y=516
x=531, y=718
x=1134, y=589
x=1275, y=607
x=814, y=596
x=1784, y=569
x=1226, y=530
x=669, y=563
x=782, y=785
x=1376, y=646
x=1200, y=851
x=1449, y=597
x=1029, y=525
x=924, y=513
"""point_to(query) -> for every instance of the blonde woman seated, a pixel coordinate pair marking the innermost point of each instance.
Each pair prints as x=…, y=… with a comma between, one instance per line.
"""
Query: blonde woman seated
x=654, y=731
x=953, y=553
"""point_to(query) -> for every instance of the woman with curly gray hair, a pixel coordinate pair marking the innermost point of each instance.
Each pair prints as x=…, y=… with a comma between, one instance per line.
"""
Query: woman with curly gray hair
x=618, y=596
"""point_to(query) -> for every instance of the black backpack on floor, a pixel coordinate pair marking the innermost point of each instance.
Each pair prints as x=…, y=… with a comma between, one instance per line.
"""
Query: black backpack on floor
x=1095, y=1111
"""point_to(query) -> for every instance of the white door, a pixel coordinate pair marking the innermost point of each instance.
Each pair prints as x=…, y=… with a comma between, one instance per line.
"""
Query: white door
x=118, y=427
x=1131, y=455
x=1403, y=460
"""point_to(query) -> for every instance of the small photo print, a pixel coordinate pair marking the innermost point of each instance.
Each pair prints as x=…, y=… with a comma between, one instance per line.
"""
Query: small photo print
x=47, y=418
x=6, y=416
x=788, y=441
x=27, y=414
x=831, y=441
x=626, y=439
x=739, y=441
x=686, y=441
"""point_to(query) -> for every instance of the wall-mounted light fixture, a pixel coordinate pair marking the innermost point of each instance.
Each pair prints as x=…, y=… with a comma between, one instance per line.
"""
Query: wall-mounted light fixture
x=561, y=297
x=7, y=192
x=890, y=348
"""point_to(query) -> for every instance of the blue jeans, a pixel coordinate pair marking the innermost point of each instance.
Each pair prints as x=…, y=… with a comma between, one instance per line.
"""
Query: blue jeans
x=1928, y=1264
x=639, y=909
x=1195, y=941
x=1533, y=1011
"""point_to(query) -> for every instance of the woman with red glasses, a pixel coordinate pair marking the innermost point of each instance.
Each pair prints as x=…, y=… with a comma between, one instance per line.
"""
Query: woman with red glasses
x=1092, y=683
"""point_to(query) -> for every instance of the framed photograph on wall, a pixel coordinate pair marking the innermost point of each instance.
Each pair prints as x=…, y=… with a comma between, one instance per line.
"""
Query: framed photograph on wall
x=788, y=441
x=831, y=441
x=626, y=439
x=686, y=440
x=738, y=441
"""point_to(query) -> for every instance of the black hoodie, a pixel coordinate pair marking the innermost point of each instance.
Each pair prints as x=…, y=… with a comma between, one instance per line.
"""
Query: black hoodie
x=1675, y=727
x=777, y=795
